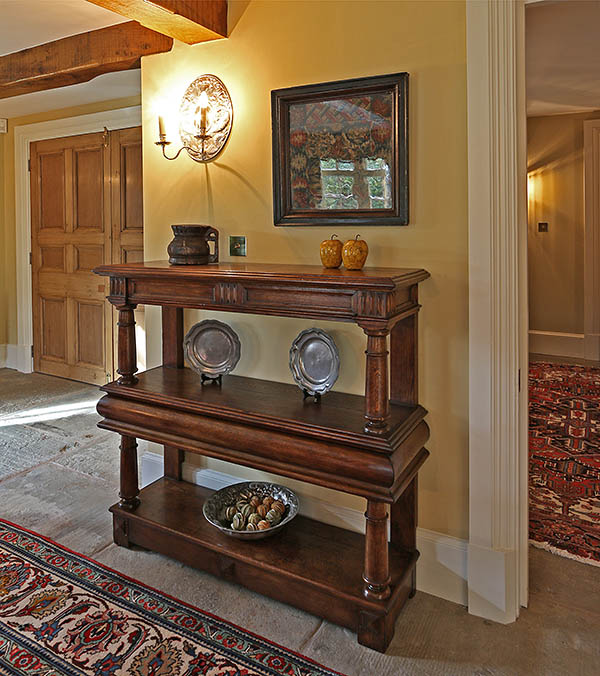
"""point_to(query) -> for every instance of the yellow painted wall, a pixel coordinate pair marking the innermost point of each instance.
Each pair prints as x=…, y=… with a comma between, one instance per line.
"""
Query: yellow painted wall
x=282, y=44
x=3, y=250
x=8, y=294
x=555, y=196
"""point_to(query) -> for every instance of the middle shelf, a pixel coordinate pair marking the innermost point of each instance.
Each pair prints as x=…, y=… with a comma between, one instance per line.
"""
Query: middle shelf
x=267, y=425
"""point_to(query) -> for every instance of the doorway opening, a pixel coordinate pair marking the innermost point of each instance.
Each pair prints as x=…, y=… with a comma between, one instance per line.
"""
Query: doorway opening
x=563, y=181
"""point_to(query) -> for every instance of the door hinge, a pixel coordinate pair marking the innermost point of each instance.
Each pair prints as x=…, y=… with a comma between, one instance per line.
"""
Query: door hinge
x=519, y=376
x=29, y=165
x=30, y=258
x=32, y=351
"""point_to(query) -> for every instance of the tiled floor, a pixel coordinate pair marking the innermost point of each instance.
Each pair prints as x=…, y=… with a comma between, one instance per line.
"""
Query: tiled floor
x=59, y=473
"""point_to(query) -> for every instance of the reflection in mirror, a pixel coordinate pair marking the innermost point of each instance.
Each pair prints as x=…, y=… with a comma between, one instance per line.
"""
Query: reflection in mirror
x=365, y=184
x=341, y=153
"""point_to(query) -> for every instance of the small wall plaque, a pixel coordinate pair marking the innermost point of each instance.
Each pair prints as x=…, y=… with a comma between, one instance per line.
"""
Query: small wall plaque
x=237, y=246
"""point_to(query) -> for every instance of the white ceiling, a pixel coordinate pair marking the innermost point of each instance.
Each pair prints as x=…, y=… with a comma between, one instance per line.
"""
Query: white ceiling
x=563, y=56
x=26, y=23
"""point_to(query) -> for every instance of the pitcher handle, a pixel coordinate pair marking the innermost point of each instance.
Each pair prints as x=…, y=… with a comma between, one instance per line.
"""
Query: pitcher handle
x=213, y=236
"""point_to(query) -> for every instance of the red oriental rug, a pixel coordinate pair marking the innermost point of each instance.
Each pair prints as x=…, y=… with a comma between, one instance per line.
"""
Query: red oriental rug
x=564, y=460
x=64, y=614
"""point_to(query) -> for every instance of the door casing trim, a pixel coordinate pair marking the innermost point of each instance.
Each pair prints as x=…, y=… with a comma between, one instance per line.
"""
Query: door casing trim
x=25, y=134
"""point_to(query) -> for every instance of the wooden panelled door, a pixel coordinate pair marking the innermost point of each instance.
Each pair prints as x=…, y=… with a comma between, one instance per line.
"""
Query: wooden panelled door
x=86, y=210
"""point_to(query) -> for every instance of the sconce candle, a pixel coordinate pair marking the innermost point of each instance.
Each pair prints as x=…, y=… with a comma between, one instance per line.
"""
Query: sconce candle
x=202, y=141
x=203, y=107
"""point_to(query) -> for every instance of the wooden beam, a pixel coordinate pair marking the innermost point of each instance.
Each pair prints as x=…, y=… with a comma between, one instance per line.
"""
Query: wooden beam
x=78, y=58
x=190, y=21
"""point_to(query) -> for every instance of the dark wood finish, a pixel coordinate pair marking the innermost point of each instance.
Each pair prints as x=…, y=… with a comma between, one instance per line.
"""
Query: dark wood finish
x=404, y=337
x=127, y=352
x=307, y=291
x=171, y=407
x=281, y=99
x=172, y=337
x=189, y=21
x=359, y=582
x=129, y=474
x=78, y=58
x=172, y=355
x=403, y=523
x=311, y=565
x=377, y=573
x=376, y=385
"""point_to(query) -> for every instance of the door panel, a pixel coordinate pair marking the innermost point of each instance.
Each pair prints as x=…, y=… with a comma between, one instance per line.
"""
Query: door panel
x=86, y=210
x=51, y=205
x=53, y=319
x=90, y=324
x=89, y=189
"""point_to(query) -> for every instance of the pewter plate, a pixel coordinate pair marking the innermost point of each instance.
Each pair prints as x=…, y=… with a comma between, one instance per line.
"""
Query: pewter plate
x=314, y=361
x=214, y=506
x=212, y=348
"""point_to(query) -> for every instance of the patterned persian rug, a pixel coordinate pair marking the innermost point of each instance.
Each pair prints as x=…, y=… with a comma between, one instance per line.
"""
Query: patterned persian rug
x=564, y=460
x=64, y=614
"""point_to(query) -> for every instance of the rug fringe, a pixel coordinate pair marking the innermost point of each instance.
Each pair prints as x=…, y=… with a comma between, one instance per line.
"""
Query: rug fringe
x=563, y=552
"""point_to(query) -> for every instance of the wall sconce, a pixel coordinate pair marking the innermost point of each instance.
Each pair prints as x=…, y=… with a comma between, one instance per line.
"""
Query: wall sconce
x=205, y=120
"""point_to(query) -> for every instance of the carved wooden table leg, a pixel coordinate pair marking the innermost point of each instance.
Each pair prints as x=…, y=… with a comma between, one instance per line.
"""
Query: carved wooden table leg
x=127, y=351
x=128, y=493
x=377, y=571
x=376, y=385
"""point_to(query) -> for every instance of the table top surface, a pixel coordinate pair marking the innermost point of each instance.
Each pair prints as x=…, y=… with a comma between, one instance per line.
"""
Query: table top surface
x=268, y=271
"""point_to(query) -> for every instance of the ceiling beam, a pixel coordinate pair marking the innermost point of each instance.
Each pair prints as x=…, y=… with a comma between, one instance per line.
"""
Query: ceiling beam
x=78, y=58
x=190, y=21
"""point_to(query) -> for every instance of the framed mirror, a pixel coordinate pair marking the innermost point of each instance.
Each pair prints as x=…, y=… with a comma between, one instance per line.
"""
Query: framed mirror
x=340, y=152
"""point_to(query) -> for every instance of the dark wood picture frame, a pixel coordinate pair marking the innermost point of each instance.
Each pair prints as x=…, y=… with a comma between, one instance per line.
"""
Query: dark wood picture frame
x=281, y=100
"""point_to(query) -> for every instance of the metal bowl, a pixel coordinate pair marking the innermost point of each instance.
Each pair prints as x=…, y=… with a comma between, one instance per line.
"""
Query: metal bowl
x=213, y=507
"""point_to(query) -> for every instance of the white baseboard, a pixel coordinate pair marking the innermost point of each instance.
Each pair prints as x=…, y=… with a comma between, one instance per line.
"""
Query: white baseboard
x=442, y=566
x=493, y=576
x=557, y=344
x=16, y=357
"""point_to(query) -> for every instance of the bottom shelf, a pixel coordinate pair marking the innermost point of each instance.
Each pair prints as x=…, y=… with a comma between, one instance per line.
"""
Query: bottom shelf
x=311, y=565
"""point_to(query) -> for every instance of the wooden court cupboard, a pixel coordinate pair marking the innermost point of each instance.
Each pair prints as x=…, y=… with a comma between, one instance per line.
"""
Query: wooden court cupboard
x=371, y=445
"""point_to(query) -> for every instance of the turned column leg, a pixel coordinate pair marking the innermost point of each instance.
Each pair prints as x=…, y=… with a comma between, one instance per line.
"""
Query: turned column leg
x=127, y=358
x=129, y=490
x=376, y=384
x=377, y=571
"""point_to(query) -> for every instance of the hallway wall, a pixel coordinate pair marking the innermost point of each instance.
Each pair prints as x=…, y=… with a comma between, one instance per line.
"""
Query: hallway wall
x=556, y=196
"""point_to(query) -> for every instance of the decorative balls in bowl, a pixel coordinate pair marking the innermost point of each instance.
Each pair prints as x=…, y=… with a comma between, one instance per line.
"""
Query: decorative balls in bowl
x=251, y=510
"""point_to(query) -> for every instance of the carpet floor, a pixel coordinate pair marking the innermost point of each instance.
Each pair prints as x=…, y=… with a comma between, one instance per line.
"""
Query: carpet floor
x=64, y=492
x=564, y=459
x=63, y=613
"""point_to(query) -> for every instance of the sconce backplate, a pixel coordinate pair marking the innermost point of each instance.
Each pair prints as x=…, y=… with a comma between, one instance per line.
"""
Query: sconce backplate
x=219, y=118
